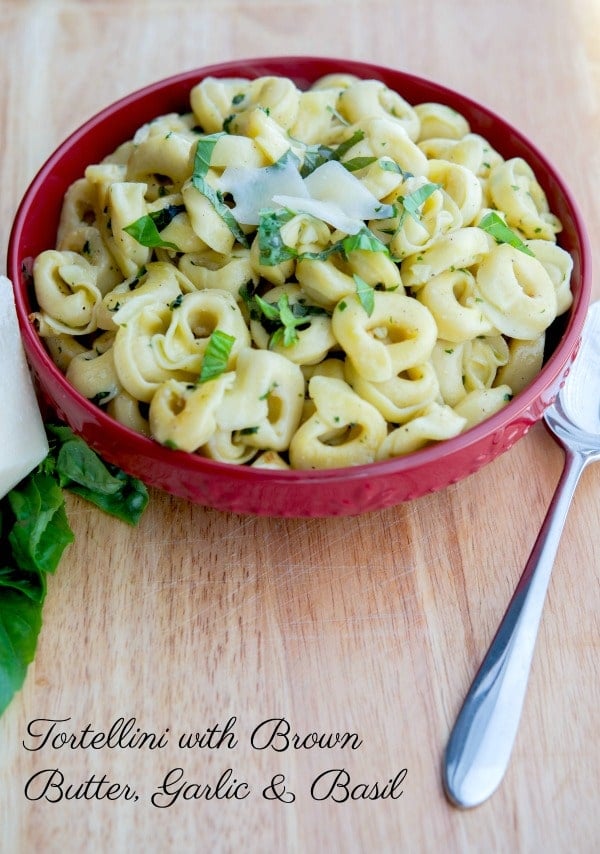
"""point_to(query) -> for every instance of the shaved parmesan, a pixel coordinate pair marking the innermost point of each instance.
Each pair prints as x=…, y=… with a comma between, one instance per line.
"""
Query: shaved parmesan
x=332, y=183
x=330, y=193
x=23, y=442
x=253, y=189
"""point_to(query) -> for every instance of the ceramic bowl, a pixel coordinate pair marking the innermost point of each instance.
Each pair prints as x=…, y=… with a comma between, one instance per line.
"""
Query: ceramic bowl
x=292, y=493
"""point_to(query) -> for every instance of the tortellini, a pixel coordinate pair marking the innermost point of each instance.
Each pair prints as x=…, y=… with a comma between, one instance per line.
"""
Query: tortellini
x=302, y=278
x=397, y=334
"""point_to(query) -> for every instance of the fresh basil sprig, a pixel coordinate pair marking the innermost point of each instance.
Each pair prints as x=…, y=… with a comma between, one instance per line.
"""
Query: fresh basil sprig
x=34, y=532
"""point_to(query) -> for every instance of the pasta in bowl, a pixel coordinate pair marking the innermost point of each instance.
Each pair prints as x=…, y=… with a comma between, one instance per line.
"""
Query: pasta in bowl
x=298, y=286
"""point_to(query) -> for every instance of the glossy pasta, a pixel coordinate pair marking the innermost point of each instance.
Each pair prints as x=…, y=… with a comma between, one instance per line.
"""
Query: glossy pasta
x=306, y=279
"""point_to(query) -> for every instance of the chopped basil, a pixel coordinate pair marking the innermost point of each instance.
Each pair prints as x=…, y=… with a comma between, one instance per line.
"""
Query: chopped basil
x=412, y=202
x=286, y=158
x=269, y=310
x=317, y=155
x=216, y=355
x=365, y=293
x=246, y=293
x=287, y=333
x=166, y=215
x=272, y=249
x=281, y=319
x=202, y=158
x=364, y=240
x=203, y=155
x=146, y=230
x=284, y=319
x=337, y=115
x=357, y=163
x=392, y=166
x=268, y=392
x=344, y=147
x=495, y=226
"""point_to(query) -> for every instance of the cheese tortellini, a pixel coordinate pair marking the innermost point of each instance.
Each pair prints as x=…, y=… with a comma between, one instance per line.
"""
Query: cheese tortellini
x=308, y=279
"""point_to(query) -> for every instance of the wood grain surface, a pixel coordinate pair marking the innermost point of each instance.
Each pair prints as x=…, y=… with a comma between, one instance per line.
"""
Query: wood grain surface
x=200, y=621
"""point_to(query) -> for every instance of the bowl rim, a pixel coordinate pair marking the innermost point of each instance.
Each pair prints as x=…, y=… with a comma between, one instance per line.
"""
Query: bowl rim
x=519, y=407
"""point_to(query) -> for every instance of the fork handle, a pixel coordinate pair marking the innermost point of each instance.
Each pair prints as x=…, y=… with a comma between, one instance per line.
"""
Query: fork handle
x=481, y=741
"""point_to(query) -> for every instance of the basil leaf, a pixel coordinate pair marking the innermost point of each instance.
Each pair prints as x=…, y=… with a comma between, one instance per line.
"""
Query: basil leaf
x=413, y=201
x=337, y=115
x=286, y=158
x=40, y=532
x=365, y=241
x=269, y=309
x=20, y=624
x=272, y=249
x=163, y=217
x=365, y=293
x=357, y=163
x=78, y=464
x=344, y=147
x=146, y=230
x=301, y=309
x=288, y=320
x=34, y=532
x=392, y=166
x=80, y=470
x=204, y=152
x=317, y=155
x=283, y=319
x=30, y=584
x=216, y=355
x=126, y=503
x=202, y=158
x=495, y=226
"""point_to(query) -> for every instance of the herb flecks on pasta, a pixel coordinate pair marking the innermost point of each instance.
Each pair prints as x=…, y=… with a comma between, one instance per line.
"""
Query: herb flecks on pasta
x=307, y=279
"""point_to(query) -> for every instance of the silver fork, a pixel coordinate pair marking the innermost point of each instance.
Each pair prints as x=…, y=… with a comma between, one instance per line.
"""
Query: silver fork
x=482, y=739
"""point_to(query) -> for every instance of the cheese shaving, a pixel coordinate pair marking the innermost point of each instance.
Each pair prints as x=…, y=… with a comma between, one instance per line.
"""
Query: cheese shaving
x=330, y=193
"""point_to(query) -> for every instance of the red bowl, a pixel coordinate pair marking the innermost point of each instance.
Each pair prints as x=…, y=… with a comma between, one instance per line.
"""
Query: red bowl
x=332, y=492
